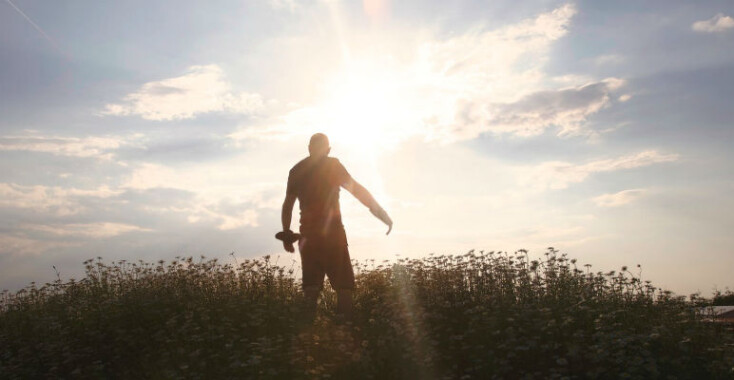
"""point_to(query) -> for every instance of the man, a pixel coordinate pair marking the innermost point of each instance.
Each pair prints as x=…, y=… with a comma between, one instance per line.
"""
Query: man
x=315, y=182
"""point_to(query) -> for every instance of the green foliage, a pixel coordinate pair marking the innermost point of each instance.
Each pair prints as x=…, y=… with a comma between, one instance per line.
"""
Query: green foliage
x=723, y=299
x=478, y=315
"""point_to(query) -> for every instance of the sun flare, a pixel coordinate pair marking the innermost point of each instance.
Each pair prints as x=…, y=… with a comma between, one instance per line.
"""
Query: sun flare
x=368, y=112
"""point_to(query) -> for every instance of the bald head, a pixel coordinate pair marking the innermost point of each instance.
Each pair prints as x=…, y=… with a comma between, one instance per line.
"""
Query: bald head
x=319, y=145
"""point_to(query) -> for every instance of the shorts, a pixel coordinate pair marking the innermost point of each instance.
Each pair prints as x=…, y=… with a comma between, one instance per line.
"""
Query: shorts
x=326, y=255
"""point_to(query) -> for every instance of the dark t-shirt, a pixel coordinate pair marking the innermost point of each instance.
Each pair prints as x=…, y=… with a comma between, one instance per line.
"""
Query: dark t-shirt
x=316, y=182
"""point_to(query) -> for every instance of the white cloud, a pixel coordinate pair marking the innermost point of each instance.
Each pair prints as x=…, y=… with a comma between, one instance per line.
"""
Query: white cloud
x=632, y=161
x=209, y=206
x=54, y=200
x=100, y=147
x=86, y=230
x=718, y=23
x=609, y=59
x=225, y=218
x=619, y=198
x=242, y=178
x=23, y=245
x=473, y=75
x=556, y=236
x=200, y=90
x=438, y=88
x=545, y=233
x=570, y=80
x=558, y=174
x=247, y=218
x=566, y=108
x=148, y=175
x=55, y=236
x=219, y=197
x=224, y=215
x=287, y=5
x=449, y=89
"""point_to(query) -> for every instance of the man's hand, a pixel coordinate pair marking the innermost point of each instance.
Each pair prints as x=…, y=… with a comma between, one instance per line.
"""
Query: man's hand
x=366, y=199
x=285, y=217
x=288, y=237
x=381, y=214
x=289, y=247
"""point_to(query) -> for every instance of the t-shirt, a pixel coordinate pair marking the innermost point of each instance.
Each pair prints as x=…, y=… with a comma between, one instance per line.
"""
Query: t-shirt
x=316, y=182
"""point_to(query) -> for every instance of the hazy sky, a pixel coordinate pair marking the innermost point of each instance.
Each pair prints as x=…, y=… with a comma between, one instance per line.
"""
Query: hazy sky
x=151, y=129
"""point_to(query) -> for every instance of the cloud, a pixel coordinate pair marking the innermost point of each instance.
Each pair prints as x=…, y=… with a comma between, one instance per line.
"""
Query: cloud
x=716, y=24
x=557, y=236
x=435, y=87
x=286, y=5
x=478, y=76
x=224, y=215
x=225, y=220
x=217, y=197
x=13, y=244
x=619, y=198
x=201, y=89
x=53, y=200
x=545, y=233
x=86, y=230
x=567, y=108
x=558, y=175
x=236, y=215
x=243, y=178
x=608, y=59
x=452, y=89
x=57, y=217
x=99, y=147
x=33, y=239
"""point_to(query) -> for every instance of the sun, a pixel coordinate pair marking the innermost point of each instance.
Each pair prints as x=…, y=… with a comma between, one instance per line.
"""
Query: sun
x=368, y=112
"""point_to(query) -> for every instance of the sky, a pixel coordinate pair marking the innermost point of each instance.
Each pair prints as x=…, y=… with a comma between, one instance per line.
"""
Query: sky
x=146, y=130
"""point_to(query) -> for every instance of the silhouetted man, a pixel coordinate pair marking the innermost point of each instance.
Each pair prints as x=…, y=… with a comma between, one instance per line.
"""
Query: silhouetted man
x=315, y=182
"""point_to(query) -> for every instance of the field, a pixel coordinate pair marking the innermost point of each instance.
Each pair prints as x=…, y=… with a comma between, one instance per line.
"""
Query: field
x=477, y=315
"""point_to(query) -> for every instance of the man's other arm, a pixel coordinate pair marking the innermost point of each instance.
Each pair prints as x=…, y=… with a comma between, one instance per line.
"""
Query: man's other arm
x=285, y=217
x=368, y=200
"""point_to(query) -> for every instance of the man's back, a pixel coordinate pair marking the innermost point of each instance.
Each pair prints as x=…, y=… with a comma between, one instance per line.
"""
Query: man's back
x=315, y=181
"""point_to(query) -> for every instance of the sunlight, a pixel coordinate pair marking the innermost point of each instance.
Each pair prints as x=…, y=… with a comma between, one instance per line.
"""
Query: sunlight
x=368, y=112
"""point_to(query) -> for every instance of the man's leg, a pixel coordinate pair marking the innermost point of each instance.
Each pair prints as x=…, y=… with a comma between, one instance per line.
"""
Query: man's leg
x=313, y=274
x=311, y=298
x=341, y=276
x=344, y=304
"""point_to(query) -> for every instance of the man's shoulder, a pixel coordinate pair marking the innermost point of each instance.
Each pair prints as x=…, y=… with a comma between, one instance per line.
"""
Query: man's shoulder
x=300, y=165
x=309, y=162
x=335, y=167
x=334, y=160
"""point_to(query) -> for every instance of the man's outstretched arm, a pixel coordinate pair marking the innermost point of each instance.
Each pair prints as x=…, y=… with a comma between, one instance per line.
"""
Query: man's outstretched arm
x=285, y=217
x=368, y=200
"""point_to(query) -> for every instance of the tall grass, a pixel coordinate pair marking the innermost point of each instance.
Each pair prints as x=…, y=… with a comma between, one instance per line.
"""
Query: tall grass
x=477, y=315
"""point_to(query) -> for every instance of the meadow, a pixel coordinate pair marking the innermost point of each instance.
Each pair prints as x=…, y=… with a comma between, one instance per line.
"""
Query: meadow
x=478, y=315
